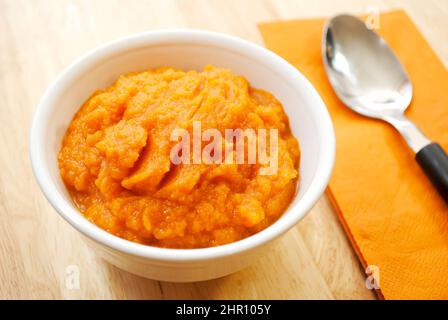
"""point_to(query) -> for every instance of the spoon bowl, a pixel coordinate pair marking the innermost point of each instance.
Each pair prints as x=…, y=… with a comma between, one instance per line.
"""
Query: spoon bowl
x=363, y=70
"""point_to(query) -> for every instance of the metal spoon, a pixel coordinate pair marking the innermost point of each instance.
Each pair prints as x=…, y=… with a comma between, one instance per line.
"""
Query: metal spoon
x=369, y=79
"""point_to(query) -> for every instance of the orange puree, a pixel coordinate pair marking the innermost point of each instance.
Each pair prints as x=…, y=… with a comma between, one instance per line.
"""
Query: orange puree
x=115, y=159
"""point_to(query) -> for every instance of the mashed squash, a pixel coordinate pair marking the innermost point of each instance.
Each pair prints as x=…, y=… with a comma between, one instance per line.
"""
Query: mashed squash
x=115, y=159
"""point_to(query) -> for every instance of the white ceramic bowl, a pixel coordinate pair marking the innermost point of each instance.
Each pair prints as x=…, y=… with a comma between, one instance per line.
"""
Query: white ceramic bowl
x=185, y=49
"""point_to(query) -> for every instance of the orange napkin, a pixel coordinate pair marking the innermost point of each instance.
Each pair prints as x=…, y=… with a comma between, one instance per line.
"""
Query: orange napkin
x=390, y=211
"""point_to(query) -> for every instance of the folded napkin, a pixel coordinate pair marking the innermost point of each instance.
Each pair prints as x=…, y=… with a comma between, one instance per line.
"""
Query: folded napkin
x=392, y=214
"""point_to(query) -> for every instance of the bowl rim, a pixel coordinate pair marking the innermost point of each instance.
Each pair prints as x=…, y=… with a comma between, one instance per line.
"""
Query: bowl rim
x=72, y=215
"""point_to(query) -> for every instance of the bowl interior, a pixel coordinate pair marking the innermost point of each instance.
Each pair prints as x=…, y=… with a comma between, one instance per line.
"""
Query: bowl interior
x=309, y=121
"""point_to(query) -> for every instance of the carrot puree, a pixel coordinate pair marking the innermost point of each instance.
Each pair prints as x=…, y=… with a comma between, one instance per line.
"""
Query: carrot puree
x=115, y=159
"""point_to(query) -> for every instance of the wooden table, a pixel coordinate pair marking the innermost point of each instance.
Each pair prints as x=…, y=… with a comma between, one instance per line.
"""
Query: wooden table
x=38, y=249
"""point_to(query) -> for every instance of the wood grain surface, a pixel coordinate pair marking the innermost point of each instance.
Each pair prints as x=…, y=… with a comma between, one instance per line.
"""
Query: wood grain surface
x=39, y=250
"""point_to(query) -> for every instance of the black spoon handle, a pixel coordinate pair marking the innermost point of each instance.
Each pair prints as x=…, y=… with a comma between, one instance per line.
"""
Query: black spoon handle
x=434, y=161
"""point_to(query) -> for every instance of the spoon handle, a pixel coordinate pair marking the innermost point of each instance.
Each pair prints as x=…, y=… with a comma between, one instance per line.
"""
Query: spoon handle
x=434, y=161
x=429, y=155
